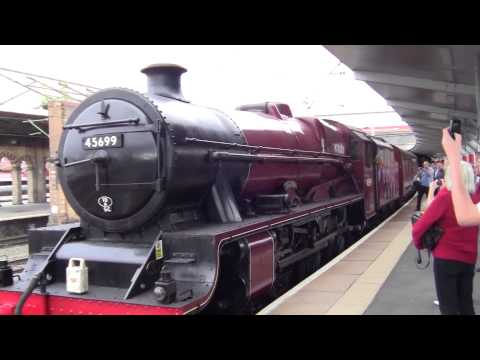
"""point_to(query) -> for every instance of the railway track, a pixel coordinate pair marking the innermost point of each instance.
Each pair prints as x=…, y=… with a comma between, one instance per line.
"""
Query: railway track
x=13, y=249
x=18, y=264
x=13, y=241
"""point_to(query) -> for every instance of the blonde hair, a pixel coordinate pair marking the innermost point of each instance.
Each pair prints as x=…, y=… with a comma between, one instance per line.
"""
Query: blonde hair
x=468, y=177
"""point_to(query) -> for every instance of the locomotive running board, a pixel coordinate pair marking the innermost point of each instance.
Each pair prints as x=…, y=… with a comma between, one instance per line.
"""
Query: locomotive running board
x=207, y=240
x=199, y=276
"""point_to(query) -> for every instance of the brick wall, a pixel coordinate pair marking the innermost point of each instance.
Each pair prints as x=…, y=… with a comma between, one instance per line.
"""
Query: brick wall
x=58, y=113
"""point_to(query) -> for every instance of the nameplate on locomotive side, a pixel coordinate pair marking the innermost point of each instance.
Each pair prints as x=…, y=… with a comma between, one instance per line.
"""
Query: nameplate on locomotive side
x=103, y=141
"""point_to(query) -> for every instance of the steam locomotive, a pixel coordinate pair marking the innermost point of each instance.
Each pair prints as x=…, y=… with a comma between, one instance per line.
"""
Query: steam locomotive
x=187, y=209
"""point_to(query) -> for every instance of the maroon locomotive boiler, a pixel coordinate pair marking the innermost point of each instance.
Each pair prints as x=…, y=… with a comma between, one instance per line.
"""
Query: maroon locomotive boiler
x=186, y=209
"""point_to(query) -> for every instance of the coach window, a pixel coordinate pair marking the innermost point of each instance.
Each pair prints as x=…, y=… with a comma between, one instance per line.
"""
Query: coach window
x=355, y=149
x=369, y=155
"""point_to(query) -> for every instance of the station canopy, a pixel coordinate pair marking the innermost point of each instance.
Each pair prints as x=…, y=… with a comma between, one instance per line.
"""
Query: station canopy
x=426, y=85
x=24, y=99
x=13, y=124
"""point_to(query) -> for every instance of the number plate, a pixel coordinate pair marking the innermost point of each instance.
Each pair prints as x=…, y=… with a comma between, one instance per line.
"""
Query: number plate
x=103, y=141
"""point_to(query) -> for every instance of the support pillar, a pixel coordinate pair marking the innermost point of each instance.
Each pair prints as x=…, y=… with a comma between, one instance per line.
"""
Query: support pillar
x=16, y=184
x=32, y=184
x=41, y=184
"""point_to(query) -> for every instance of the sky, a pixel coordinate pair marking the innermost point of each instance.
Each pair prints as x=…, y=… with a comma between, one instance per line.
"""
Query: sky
x=309, y=78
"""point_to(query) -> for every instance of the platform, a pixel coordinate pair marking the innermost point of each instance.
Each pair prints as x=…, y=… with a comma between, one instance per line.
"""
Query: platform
x=377, y=275
x=408, y=291
x=14, y=212
x=15, y=221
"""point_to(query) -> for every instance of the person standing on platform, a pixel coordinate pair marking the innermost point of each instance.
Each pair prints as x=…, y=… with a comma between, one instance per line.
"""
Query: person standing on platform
x=466, y=212
x=477, y=185
x=438, y=174
x=425, y=175
x=456, y=252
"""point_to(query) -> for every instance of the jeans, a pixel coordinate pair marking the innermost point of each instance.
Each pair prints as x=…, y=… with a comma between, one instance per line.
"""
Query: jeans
x=422, y=190
x=454, y=284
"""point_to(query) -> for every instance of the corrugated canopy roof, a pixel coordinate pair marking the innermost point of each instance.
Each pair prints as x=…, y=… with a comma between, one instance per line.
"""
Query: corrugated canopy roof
x=426, y=85
x=18, y=124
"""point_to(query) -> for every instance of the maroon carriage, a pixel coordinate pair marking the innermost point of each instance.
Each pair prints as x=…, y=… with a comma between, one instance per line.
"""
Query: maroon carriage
x=387, y=170
x=408, y=171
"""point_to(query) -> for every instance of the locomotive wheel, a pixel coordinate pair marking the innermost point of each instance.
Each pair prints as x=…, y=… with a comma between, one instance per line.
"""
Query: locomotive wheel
x=317, y=260
x=232, y=300
x=329, y=252
x=311, y=264
x=350, y=239
x=302, y=270
x=340, y=244
x=334, y=248
x=364, y=228
x=283, y=282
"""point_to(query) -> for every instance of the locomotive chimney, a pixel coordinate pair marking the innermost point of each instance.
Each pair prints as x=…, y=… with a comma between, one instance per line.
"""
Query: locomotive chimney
x=164, y=80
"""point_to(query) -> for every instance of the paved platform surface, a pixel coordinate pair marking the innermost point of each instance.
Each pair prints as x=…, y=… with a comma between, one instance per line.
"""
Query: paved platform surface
x=410, y=291
x=13, y=212
x=350, y=282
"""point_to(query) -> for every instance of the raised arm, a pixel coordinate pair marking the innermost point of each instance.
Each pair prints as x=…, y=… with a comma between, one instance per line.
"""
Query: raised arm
x=466, y=212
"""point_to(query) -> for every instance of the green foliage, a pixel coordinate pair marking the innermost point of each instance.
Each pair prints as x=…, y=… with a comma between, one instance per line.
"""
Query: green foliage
x=44, y=102
x=64, y=96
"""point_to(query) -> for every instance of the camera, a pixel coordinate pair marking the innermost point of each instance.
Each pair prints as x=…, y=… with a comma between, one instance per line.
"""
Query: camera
x=455, y=127
x=439, y=182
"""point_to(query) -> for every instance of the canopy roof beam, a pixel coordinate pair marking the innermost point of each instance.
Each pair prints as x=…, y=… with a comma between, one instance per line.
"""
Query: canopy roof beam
x=474, y=145
x=36, y=127
x=434, y=136
x=433, y=139
x=431, y=109
x=416, y=125
x=415, y=122
x=419, y=83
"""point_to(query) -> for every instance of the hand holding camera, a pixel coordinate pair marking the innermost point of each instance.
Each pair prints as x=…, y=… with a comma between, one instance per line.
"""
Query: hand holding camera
x=436, y=184
x=451, y=143
x=455, y=127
